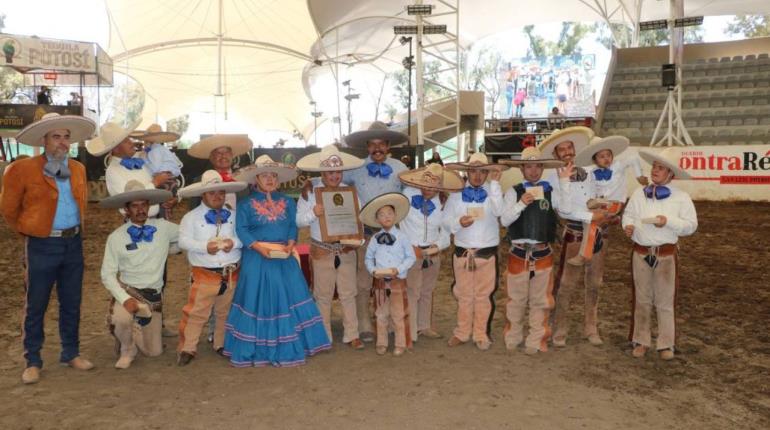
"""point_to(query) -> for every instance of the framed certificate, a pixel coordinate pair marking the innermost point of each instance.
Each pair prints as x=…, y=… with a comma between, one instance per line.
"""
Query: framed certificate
x=340, y=219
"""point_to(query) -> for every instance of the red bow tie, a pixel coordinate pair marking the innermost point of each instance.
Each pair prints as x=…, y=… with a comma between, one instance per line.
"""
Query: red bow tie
x=226, y=176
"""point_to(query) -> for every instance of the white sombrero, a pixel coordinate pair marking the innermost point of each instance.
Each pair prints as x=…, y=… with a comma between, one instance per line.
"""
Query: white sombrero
x=663, y=158
x=399, y=202
x=432, y=177
x=578, y=135
x=265, y=164
x=531, y=155
x=110, y=135
x=134, y=191
x=240, y=144
x=155, y=134
x=377, y=130
x=616, y=144
x=477, y=161
x=329, y=159
x=211, y=181
x=80, y=128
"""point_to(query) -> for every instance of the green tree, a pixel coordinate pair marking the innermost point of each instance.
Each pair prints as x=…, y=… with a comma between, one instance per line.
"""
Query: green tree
x=483, y=73
x=570, y=36
x=620, y=35
x=749, y=26
x=179, y=124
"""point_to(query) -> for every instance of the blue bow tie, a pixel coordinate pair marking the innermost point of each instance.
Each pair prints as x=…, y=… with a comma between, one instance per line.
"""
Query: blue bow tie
x=472, y=194
x=213, y=214
x=658, y=192
x=143, y=233
x=603, y=174
x=386, y=238
x=545, y=184
x=132, y=163
x=381, y=170
x=425, y=206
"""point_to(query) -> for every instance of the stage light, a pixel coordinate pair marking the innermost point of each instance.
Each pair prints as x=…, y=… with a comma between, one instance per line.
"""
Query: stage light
x=346, y=83
x=426, y=29
x=408, y=62
x=688, y=22
x=419, y=9
x=350, y=97
x=404, y=40
x=653, y=25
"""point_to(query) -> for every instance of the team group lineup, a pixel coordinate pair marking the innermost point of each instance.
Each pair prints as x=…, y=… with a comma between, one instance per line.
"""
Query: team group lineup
x=241, y=233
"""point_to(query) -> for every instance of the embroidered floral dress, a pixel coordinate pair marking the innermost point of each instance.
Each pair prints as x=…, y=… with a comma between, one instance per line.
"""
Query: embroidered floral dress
x=273, y=319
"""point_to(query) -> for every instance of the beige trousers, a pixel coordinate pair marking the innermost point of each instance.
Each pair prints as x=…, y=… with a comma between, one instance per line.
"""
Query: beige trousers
x=525, y=289
x=420, y=284
x=393, y=311
x=325, y=279
x=654, y=286
x=363, y=298
x=131, y=335
x=195, y=313
x=474, y=292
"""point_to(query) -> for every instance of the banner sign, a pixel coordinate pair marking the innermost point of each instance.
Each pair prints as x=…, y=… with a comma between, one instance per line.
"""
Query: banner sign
x=29, y=53
x=16, y=117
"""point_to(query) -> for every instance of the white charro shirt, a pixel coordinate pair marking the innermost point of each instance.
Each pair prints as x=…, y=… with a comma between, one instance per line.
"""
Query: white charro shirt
x=579, y=193
x=140, y=266
x=678, y=208
x=116, y=176
x=514, y=207
x=615, y=188
x=195, y=233
x=484, y=232
x=305, y=215
x=424, y=230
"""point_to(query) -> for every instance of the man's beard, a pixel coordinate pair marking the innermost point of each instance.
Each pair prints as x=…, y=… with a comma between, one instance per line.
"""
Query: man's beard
x=59, y=154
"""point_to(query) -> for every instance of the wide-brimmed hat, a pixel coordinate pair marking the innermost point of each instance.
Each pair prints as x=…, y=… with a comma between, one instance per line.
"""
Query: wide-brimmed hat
x=134, y=191
x=329, y=159
x=155, y=134
x=80, y=128
x=476, y=161
x=265, y=164
x=110, y=135
x=578, y=135
x=531, y=155
x=211, y=181
x=238, y=143
x=665, y=159
x=377, y=130
x=399, y=202
x=432, y=177
x=616, y=144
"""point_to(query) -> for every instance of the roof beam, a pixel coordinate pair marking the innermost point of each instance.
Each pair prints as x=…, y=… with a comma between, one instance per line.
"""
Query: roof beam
x=208, y=41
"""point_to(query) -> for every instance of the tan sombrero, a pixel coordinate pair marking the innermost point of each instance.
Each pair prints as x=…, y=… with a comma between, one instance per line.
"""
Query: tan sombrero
x=377, y=130
x=578, y=135
x=110, y=135
x=329, y=159
x=531, y=155
x=399, y=202
x=155, y=134
x=477, y=161
x=265, y=164
x=211, y=181
x=432, y=177
x=616, y=144
x=664, y=159
x=80, y=128
x=134, y=191
x=238, y=143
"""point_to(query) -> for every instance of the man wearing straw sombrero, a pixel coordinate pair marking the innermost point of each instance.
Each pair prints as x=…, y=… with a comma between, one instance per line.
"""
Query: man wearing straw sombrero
x=334, y=264
x=207, y=233
x=44, y=200
x=423, y=226
x=530, y=215
x=472, y=216
x=563, y=145
x=132, y=271
x=160, y=159
x=221, y=150
x=655, y=218
x=378, y=175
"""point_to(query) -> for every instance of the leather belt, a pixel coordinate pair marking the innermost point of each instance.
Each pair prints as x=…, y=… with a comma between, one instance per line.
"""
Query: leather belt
x=66, y=233
x=658, y=251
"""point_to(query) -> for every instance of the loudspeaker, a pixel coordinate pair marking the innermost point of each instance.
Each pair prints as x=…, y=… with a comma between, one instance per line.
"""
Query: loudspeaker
x=668, y=75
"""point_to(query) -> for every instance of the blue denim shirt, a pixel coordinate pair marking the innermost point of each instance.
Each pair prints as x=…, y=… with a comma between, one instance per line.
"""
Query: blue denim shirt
x=67, y=210
x=369, y=187
x=399, y=255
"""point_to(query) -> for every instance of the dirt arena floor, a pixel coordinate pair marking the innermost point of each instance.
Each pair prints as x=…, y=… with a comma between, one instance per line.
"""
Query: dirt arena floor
x=719, y=380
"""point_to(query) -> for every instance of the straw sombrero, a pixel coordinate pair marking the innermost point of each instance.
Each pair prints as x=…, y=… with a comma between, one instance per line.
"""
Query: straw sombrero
x=240, y=144
x=432, y=177
x=531, y=155
x=663, y=158
x=616, y=144
x=578, y=135
x=155, y=134
x=80, y=128
x=476, y=161
x=377, y=130
x=210, y=181
x=399, y=202
x=134, y=191
x=265, y=164
x=329, y=159
x=110, y=135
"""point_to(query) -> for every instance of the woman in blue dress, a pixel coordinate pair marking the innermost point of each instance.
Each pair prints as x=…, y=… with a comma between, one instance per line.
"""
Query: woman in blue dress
x=273, y=319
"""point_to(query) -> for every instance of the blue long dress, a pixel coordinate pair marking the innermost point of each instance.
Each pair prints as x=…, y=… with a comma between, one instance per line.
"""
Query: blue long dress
x=273, y=319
